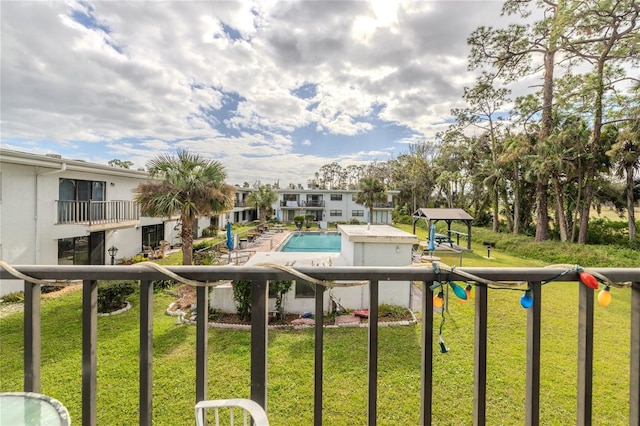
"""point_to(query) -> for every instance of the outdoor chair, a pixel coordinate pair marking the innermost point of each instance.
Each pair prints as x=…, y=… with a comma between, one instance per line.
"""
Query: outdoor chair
x=246, y=411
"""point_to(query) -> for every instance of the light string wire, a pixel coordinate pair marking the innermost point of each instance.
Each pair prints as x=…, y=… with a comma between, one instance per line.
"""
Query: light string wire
x=438, y=267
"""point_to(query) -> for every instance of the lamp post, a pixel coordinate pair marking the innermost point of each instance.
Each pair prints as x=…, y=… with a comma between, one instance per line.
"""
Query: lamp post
x=113, y=250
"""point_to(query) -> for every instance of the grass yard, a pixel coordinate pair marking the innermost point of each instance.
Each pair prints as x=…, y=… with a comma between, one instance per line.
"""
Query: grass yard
x=290, y=382
x=290, y=386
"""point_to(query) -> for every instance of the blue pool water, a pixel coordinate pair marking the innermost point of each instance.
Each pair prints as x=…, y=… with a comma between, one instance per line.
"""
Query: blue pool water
x=326, y=242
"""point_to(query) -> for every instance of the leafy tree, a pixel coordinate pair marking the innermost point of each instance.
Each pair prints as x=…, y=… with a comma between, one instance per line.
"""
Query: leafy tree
x=122, y=164
x=606, y=33
x=626, y=154
x=510, y=52
x=262, y=199
x=485, y=102
x=186, y=185
x=371, y=191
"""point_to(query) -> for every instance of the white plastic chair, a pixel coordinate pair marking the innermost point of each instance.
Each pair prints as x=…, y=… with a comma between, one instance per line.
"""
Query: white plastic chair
x=250, y=410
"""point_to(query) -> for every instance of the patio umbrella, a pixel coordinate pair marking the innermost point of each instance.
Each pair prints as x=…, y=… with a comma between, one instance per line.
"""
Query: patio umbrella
x=432, y=237
x=229, y=240
x=229, y=237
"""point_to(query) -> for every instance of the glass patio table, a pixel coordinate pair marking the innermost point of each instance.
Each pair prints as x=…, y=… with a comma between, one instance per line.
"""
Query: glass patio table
x=28, y=408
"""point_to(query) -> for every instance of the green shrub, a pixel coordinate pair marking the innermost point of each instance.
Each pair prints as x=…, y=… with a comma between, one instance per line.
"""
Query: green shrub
x=242, y=297
x=394, y=312
x=203, y=245
x=112, y=295
x=159, y=285
x=210, y=231
x=15, y=297
x=278, y=289
x=298, y=220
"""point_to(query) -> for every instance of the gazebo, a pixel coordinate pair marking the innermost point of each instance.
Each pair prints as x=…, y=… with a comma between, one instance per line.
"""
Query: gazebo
x=448, y=215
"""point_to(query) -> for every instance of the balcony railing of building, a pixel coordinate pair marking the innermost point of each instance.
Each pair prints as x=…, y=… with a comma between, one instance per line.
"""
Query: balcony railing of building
x=387, y=205
x=240, y=203
x=302, y=203
x=261, y=275
x=96, y=212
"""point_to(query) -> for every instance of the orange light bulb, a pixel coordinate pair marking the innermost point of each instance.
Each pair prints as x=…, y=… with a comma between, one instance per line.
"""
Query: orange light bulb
x=438, y=301
x=604, y=297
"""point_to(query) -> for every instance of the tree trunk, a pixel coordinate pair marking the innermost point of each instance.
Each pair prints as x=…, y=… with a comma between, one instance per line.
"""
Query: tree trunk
x=507, y=209
x=542, y=219
x=578, y=202
x=561, y=217
x=630, y=203
x=594, y=150
x=186, y=234
x=542, y=212
x=516, y=202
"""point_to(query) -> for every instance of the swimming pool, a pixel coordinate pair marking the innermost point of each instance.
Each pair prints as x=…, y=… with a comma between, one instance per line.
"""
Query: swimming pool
x=325, y=242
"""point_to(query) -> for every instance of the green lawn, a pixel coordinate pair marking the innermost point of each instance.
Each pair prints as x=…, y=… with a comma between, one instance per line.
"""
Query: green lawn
x=290, y=383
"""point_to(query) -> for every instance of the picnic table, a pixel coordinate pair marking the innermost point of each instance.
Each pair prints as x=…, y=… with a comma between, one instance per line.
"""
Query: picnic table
x=441, y=239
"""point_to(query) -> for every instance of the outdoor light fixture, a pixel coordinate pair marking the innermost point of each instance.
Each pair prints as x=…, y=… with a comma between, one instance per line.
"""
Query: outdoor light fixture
x=113, y=250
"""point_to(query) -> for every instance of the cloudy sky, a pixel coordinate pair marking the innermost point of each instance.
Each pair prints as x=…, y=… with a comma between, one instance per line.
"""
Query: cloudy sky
x=272, y=89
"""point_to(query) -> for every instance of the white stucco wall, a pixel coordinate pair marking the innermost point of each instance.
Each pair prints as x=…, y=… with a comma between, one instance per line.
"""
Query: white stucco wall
x=378, y=245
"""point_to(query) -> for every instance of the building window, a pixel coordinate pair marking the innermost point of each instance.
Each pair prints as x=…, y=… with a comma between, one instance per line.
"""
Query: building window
x=304, y=289
x=85, y=250
x=357, y=213
x=335, y=213
x=74, y=197
x=152, y=235
x=336, y=197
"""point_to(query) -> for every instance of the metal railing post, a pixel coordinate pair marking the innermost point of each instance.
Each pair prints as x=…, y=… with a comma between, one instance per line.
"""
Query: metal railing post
x=585, y=355
x=202, y=330
x=372, y=392
x=146, y=352
x=89, y=351
x=259, y=319
x=426, y=393
x=32, y=337
x=532, y=415
x=480, y=357
x=634, y=385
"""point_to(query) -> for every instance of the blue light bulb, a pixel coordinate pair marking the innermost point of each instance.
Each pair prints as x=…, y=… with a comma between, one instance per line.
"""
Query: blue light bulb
x=459, y=291
x=526, y=300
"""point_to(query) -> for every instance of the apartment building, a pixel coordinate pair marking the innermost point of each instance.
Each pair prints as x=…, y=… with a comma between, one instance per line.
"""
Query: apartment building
x=330, y=206
x=56, y=211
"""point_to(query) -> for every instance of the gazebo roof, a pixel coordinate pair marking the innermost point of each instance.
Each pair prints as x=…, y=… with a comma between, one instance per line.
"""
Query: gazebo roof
x=442, y=214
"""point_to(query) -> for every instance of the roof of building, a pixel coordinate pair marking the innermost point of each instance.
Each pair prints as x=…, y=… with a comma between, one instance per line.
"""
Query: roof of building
x=442, y=214
x=58, y=162
x=377, y=234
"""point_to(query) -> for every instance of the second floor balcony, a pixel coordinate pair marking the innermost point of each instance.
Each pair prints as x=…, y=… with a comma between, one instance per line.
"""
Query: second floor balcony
x=293, y=204
x=481, y=393
x=91, y=213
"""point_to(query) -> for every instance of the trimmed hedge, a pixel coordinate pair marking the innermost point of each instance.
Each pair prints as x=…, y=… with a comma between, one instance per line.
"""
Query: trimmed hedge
x=112, y=295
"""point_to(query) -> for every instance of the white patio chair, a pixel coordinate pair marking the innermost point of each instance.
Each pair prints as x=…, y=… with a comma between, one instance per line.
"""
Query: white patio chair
x=248, y=408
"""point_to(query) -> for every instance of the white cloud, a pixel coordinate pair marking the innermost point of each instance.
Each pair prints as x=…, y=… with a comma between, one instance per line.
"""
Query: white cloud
x=149, y=76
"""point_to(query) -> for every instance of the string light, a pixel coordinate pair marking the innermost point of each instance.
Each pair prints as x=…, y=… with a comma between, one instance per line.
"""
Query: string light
x=526, y=300
x=587, y=279
x=604, y=297
x=458, y=291
x=438, y=300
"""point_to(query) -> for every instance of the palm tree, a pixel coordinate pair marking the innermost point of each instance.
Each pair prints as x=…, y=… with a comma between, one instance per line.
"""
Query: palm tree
x=626, y=153
x=371, y=191
x=186, y=185
x=262, y=199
